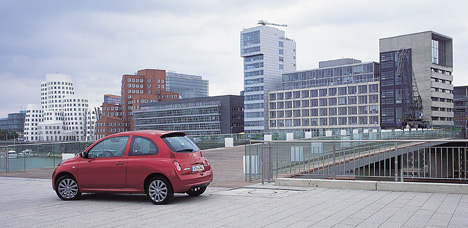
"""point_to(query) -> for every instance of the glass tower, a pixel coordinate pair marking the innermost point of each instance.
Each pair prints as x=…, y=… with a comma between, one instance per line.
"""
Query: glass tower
x=267, y=54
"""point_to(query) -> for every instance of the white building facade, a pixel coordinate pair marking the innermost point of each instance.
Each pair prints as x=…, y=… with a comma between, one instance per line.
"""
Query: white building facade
x=340, y=95
x=62, y=115
x=267, y=54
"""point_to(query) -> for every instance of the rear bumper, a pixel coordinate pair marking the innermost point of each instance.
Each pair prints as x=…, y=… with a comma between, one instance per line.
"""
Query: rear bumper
x=186, y=182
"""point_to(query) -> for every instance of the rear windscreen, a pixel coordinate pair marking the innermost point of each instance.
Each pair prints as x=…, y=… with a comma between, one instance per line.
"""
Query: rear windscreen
x=180, y=144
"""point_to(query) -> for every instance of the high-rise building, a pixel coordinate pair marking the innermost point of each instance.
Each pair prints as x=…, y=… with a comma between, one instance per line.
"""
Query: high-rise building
x=267, y=54
x=188, y=86
x=431, y=61
x=144, y=87
x=62, y=116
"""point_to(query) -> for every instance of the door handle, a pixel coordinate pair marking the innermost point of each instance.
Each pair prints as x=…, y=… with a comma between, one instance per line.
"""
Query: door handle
x=119, y=163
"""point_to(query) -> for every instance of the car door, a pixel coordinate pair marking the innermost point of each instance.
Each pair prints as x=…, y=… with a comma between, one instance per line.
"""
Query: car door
x=142, y=160
x=105, y=165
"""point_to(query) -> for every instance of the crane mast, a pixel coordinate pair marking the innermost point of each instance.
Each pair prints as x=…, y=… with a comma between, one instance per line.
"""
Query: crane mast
x=263, y=22
x=412, y=101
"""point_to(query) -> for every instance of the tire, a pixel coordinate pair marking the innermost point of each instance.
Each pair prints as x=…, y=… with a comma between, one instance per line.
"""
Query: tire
x=159, y=190
x=67, y=188
x=196, y=191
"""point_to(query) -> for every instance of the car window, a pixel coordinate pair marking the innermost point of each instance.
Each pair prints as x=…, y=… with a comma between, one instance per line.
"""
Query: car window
x=180, y=144
x=111, y=147
x=143, y=146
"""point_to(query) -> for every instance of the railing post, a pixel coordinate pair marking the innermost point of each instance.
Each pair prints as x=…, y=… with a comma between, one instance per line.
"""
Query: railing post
x=334, y=160
x=396, y=162
x=245, y=159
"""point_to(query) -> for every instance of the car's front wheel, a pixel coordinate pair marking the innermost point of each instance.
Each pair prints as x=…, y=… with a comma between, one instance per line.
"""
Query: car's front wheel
x=159, y=190
x=67, y=188
x=196, y=191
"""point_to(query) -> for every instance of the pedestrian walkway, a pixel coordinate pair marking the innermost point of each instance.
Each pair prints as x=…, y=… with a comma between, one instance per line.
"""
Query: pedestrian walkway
x=29, y=202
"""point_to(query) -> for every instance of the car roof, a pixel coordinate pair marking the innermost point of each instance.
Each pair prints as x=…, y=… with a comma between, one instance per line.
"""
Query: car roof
x=158, y=133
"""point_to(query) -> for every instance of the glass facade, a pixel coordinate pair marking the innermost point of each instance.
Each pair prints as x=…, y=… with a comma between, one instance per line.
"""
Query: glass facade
x=195, y=118
x=341, y=75
x=266, y=54
x=188, y=86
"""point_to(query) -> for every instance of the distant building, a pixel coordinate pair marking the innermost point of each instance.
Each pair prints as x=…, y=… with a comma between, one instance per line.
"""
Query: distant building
x=62, y=116
x=14, y=122
x=432, y=63
x=267, y=54
x=188, y=86
x=195, y=116
x=342, y=94
x=110, y=120
x=144, y=87
x=111, y=99
x=460, y=106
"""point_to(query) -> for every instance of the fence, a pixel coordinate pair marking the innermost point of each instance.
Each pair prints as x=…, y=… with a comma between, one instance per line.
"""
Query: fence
x=32, y=156
x=399, y=160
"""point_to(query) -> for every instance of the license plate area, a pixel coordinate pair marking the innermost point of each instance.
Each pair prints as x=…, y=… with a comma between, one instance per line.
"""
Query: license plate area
x=196, y=168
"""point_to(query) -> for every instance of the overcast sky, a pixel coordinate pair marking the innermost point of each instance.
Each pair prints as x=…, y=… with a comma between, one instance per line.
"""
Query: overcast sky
x=96, y=42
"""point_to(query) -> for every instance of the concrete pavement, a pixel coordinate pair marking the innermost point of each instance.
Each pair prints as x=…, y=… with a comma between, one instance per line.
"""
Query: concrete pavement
x=26, y=202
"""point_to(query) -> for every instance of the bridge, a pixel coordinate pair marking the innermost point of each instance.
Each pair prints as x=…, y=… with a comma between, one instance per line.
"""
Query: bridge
x=430, y=156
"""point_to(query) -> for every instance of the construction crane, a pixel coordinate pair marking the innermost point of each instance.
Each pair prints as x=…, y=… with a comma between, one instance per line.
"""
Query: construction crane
x=411, y=99
x=262, y=22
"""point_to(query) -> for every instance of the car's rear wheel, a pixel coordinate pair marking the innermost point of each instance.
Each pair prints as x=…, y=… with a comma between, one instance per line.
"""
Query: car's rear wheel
x=159, y=190
x=196, y=191
x=67, y=188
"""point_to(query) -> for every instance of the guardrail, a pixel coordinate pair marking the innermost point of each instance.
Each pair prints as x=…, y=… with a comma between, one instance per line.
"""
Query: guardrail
x=399, y=160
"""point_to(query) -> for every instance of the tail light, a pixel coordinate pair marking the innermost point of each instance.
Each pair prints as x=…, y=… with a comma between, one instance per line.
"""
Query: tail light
x=177, y=166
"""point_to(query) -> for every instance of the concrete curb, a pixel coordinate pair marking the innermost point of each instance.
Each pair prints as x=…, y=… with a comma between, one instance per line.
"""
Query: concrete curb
x=376, y=185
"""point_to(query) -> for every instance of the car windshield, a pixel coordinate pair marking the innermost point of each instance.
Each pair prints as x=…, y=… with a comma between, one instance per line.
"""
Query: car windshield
x=180, y=144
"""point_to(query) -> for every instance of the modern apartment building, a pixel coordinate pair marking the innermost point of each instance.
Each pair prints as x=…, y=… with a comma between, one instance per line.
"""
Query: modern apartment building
x=144, y=87
x=431, y=60
x=63, y=116
x=195, y=116
x=341, y=94
x=267, y=54
x=188, y=86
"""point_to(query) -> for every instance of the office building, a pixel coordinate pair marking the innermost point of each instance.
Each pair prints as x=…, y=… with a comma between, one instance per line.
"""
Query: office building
x=427, y=73
x=14, y=122
x=188, y=86
x=341, y=94
x=267, y=53
x=460, y=106
x=111, y=99
x=195, y=116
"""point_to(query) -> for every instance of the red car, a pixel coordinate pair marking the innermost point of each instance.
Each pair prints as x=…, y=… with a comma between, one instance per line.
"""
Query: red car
x=156, y=163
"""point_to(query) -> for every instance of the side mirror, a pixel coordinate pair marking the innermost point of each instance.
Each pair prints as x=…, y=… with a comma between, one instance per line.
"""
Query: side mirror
x=84, y=155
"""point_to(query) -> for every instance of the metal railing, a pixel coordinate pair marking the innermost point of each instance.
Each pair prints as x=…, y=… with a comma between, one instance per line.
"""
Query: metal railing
x=399, y=160
x=38, y=155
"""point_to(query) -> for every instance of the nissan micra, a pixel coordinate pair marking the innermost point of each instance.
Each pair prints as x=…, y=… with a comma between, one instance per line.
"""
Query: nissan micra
x=155, y=163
